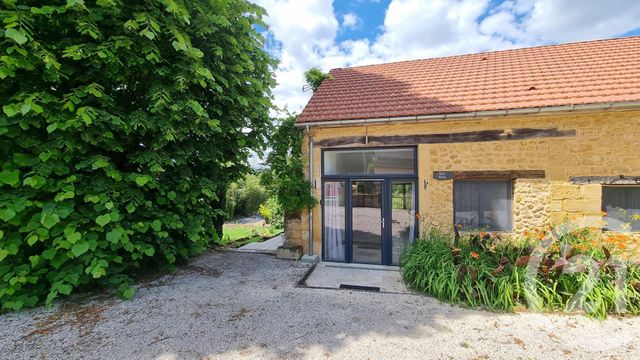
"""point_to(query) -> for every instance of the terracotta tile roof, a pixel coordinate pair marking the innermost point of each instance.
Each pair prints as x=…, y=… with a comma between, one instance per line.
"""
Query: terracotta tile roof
x=600, y=71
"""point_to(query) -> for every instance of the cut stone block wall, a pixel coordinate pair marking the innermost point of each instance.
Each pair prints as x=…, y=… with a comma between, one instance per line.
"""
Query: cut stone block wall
x=293, y=230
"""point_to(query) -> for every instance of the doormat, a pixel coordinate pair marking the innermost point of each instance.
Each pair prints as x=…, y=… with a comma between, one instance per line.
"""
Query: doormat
x=358, y=287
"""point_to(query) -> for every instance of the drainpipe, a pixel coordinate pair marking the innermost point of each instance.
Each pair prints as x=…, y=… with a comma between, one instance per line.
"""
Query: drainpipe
x=311, y=184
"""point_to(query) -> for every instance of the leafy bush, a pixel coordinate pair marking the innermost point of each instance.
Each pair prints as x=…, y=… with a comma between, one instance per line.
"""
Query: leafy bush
x=272, y=212
x=576, y=270
x=119, y=135
x=245, y=196
x=284, y=176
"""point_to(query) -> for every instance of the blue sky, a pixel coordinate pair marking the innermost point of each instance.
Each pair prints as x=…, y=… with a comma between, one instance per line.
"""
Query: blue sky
x=370, y=16
x=331, y=34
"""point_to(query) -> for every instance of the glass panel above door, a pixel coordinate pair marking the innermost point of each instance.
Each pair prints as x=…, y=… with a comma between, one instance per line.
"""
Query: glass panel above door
x=369, y=161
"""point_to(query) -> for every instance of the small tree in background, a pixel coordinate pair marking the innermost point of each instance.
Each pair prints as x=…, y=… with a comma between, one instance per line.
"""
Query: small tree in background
x=245, y=196
x=315, y=77
x=121, y=127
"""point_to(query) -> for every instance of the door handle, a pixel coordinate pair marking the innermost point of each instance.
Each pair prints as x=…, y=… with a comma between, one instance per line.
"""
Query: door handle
x=383, y=223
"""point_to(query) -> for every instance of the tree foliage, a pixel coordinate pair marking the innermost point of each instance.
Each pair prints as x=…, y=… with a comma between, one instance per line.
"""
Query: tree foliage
x=245, y=196
x=314, y=77
x=122, y=126
x=284, y=177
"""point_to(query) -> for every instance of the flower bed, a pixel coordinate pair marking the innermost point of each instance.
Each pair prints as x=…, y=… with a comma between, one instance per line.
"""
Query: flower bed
x=567, y=269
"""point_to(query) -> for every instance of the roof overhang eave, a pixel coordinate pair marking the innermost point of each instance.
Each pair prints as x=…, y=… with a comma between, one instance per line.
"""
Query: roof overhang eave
x=475, y=114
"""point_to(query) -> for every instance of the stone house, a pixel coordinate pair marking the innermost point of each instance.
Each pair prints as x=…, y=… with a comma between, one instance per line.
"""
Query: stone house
x=499, y=141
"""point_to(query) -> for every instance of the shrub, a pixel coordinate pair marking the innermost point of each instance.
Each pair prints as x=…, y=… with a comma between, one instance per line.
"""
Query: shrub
x=284, y=176
x=571, y=271
x=119, y=135
x=245, y=196
x=273, y=213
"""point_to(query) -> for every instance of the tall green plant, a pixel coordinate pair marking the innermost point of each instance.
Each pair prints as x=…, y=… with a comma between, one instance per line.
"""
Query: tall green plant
x=314, y=78
x=482, y=270
x=284, y=176
x=119, y=133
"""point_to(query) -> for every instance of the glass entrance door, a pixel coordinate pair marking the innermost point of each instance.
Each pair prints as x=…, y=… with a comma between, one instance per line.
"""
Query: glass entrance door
x=367, y=222
x=369, y=199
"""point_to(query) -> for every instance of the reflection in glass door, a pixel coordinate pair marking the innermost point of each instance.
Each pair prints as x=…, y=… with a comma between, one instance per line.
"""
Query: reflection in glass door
x=403, y=217
x=334, y=221
x=366, y=221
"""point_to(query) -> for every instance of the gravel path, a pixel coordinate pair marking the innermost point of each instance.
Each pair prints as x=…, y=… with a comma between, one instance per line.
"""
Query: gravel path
x=239, y=305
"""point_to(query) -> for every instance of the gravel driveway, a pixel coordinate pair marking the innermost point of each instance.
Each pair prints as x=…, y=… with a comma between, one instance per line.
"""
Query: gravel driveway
x=242, y=305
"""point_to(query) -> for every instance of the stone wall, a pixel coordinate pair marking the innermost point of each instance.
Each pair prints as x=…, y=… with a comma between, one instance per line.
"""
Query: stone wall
x=293, y=230
x=572, y=202
x=606, y=143
x=531, y=204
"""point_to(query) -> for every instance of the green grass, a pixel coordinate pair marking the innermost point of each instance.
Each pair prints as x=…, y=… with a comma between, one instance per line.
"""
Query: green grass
x=237, y=235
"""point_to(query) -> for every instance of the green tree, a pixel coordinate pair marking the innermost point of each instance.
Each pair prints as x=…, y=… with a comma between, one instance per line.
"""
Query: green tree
x=122, y=125
x=245, y=196
x=314, y=77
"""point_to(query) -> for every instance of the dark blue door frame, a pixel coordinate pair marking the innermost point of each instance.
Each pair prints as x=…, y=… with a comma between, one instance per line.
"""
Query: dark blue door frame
x=386, y=213
x=386, y=208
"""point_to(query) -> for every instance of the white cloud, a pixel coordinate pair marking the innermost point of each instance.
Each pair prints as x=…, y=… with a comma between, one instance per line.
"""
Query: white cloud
x=566, y=20
x=418, y=29
x=350, y=20
x=551, y=21
x=306, y=32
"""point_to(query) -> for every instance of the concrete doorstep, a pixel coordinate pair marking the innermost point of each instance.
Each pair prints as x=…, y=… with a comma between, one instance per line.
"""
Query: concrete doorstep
x=374, y=278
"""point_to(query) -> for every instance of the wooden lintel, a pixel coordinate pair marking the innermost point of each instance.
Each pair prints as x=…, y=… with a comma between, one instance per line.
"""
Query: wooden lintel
x=489, y=175
x=461, y=137
x=342, y=141
x=605, y=180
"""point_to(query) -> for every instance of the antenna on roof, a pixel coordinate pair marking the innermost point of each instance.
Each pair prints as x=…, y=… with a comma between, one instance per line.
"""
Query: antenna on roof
x=306, y=88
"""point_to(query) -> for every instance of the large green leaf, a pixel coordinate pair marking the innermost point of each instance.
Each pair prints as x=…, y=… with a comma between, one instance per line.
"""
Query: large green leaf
x=114, y=235
x=49, y=220
x=74, y=237
x=80, y=248
x=7, y=214
x=142, y=180
x=15, y=35
x=10, y=177
x=103, y=220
